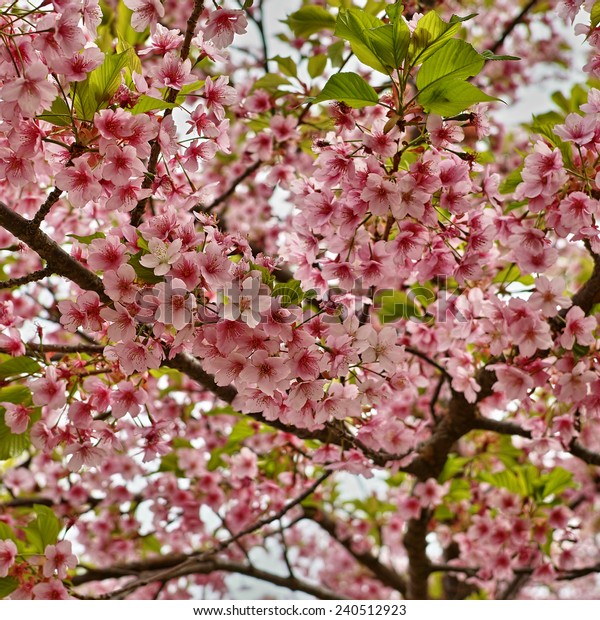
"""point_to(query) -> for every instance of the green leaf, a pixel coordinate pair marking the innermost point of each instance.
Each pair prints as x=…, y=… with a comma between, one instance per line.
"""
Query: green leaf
x=511, y=274
x=310, y=20
x=58, y=114
x=394, y=305
x=6, y=532
x=456, y=59
x=7, y=586
x=510, y=182
x=16, y=394
x=286, y=65
x=18, y=366
x=188, y=89
x=394, y=11
x=101, y=84
x=595, y=15
x=452, y=96
x=489, y=55
x=335, y=53
x=557, y=481
x=44, y=530
x=290, y=292
x=349, y=88
x=316, y=65
x=11, y=445
x=124, y=29
x=505, y=479
x=240, y=432
x=544, y=126
x=454, y=465
x=443, y=513
x=87, y=239
x=151, y=544
x=146, y=104
x=460, y=490
x=143, y=273
x=351, y=25
x=271, y=82
x=431, y=33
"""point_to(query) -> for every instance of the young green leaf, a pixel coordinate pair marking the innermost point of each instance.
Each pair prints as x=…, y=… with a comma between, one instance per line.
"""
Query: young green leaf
x=290, y=293
x=44, y=530
x=286, y=65
x=351, y=26
x=18, y=366
x=7, y=586
x=451, y=96
x=11, y=445
x=101, y=84
x=431, y=33
x=310, y=20
x=15, y=394
x=146, y=104
x=457, y=59
x=58, y=114
x=316, y=65
x=349, y=88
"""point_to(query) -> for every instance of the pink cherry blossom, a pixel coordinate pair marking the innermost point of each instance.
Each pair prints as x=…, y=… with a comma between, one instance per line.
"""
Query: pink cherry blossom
x=50, y=390
x=161, y=256
x=17, y=418
x=223, y=24
x=127, y=399
x=8, y=553
x=145, y=13
x=80, y=182
x=32, y=92
x=119, y=284
x=52, y=590
x=578, y=327
x=548, y=296
x=59, y=558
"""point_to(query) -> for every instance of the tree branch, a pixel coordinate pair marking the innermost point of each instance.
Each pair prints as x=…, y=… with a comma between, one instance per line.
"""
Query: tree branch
x=419, y=566
x=251, y=169
x=589, y=293
x=32, y=277
x=43, y=211
x=175, y=566
x=388, y=576
x=57, y=260
x=512, y=25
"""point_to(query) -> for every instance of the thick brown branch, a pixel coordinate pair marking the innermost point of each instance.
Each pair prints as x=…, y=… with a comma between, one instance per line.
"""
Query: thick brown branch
x=589, y=293
x=57, y=260
x=385, y=574
x=174, y=566
x=419, y=566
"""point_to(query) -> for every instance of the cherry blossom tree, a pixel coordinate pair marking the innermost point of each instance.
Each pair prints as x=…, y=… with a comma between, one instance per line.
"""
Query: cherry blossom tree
x=317, y=323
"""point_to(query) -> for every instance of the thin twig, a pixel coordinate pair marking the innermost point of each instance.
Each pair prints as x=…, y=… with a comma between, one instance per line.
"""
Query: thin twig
x=229, y=191
x=32, y=277
x=512, y=25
